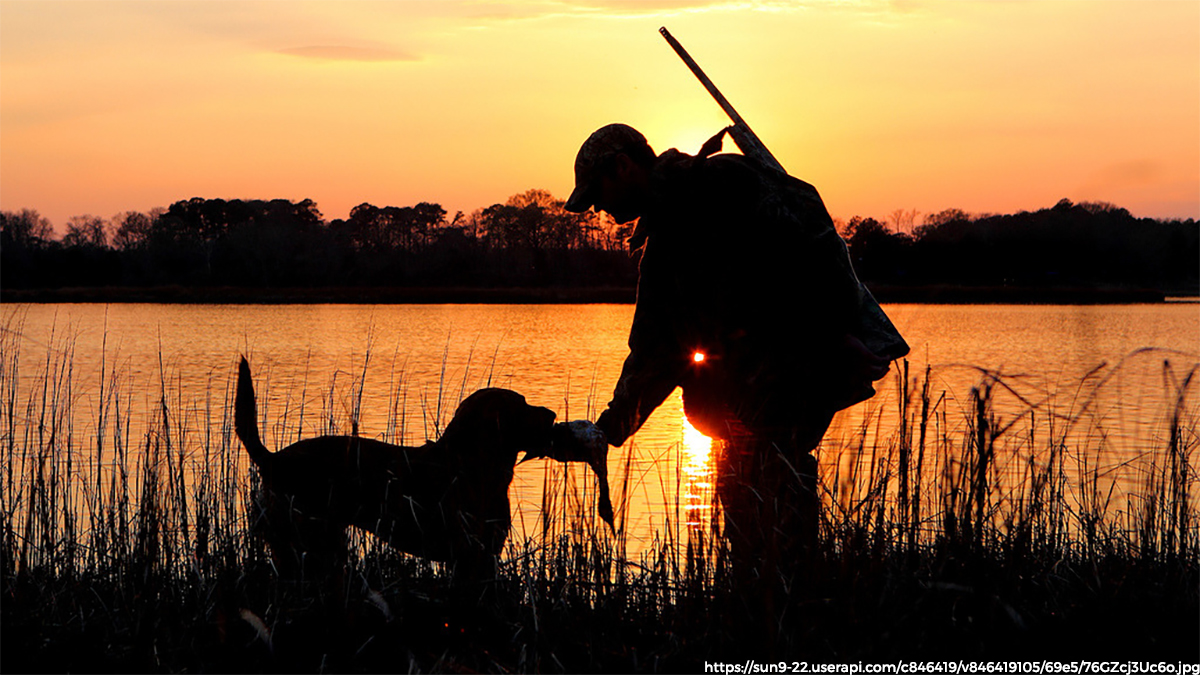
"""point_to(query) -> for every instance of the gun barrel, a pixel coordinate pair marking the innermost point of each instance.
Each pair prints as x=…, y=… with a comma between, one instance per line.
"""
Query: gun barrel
x=742, y=134
x=699, y=73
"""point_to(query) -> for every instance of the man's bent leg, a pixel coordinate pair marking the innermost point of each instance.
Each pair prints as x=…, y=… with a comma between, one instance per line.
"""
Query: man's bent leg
x=747, y=506
x=805, y=439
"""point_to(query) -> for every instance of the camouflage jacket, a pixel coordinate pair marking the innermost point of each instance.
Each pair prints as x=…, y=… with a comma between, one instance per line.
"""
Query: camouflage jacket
x=743, y=265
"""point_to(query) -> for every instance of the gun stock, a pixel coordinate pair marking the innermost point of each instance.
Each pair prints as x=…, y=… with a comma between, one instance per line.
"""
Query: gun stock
x=745, y=138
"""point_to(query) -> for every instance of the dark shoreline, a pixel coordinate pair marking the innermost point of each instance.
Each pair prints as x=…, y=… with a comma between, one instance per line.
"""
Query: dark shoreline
x=561, y=295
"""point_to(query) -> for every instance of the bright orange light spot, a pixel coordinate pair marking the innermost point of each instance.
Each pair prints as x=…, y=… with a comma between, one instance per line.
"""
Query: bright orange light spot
x=698, y=357
x=698, y=472
x=697, y=450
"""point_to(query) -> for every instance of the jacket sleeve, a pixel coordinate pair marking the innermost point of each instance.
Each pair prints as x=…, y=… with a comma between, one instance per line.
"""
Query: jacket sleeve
x=657, y=361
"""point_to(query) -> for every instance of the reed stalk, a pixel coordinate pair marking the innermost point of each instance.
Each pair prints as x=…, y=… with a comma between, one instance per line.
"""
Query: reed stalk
x=983, y=537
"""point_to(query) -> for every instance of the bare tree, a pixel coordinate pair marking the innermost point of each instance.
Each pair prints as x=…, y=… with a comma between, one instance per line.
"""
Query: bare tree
x=903, y=221
x=130, y=229
x=25, y=227
x=86, y=230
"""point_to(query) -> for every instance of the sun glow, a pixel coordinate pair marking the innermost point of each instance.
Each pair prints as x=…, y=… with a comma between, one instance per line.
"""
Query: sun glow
x=690, y=139
x=696, y=446
x=698, y=357
x=346, y=103
x=698, y=472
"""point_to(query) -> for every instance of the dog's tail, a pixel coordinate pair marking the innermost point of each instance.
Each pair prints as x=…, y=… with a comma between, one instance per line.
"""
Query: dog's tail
x=245, y=418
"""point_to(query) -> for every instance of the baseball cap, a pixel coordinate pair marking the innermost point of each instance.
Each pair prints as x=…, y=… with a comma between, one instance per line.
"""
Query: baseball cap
x=604, y=143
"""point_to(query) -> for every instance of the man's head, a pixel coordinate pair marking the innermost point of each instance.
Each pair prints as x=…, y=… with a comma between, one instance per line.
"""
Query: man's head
x=612, y=173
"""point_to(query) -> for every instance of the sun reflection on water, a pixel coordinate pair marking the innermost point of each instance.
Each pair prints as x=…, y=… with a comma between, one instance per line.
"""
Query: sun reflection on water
x=698, y=476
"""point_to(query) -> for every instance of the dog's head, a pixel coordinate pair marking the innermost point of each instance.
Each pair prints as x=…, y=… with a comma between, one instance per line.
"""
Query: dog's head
x=499, y=423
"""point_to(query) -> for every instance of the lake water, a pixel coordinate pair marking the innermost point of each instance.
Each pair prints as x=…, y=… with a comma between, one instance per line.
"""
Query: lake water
x=1107, y=372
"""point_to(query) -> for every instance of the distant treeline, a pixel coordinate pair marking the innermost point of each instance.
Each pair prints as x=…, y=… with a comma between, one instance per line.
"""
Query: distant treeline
x=1086, y=245
x=531, y=241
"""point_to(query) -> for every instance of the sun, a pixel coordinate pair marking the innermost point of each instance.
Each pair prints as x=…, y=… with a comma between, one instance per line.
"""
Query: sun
x=689, y=138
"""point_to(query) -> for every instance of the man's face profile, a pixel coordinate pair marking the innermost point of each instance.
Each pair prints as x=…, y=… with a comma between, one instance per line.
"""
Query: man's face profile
x=618, y=190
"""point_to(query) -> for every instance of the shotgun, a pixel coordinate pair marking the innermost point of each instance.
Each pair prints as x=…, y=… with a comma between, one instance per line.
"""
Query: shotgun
x=746, y=140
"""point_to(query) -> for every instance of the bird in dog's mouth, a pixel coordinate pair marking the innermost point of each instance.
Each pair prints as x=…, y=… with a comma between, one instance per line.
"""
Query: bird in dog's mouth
x=581, y=441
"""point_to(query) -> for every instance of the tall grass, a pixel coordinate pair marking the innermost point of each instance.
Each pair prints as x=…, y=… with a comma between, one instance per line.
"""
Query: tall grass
x=982, y=534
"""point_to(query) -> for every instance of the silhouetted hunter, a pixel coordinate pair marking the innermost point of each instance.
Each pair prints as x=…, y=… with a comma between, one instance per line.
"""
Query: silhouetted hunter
x=748, y=301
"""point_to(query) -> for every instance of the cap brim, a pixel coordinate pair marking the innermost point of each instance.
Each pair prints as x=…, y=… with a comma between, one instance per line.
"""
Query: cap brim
x=580, y=199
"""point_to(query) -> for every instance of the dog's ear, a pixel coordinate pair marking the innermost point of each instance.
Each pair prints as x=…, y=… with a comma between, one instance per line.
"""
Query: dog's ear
x=500, y=410
x=478, y=422
x=495, y=418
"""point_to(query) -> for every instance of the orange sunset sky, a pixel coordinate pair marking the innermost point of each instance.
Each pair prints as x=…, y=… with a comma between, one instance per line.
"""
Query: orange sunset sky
x=988, y=107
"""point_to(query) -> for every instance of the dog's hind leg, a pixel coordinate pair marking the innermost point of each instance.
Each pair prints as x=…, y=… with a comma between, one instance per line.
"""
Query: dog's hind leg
x=308, y=551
